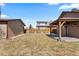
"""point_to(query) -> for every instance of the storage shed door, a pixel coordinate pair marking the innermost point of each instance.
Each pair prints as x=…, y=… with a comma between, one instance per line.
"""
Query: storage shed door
x=3, y=30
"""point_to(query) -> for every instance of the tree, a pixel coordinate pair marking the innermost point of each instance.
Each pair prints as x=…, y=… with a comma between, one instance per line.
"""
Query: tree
x=30, y=26
x=75, y=10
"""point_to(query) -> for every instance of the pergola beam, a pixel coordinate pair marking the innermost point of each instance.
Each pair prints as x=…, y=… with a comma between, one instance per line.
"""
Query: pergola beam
x=62, y=23
x=59, y=27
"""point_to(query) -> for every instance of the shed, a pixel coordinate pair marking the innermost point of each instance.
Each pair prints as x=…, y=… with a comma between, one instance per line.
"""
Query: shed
x=11, y=27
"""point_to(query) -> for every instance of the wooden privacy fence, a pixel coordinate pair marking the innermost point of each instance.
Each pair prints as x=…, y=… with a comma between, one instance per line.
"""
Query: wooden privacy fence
x=30, y=30
x=37, y=30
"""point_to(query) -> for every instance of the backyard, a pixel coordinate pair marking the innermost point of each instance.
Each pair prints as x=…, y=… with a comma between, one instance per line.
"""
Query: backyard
x=34, y=44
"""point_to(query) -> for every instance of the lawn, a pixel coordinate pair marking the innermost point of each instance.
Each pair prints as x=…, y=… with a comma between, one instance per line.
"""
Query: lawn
x=37, y=45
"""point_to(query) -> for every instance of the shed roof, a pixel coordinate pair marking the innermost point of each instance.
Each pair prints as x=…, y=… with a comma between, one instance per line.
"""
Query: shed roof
x=13, y=20
x=54, y=22
x=69, y=16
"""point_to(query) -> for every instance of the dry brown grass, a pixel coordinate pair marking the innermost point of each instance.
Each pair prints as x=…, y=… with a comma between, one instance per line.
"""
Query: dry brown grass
x=36, y=45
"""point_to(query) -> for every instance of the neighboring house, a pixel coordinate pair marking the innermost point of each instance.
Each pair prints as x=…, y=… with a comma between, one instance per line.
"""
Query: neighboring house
x=68, y=24
x=11, y=27
x=44, y=26
x=53, y=27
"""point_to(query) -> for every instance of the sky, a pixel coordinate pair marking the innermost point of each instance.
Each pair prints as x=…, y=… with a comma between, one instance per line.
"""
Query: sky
x=32, y=12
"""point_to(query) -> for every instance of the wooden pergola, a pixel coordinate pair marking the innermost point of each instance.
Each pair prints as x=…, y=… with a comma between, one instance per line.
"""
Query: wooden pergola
x=59, y=24
x=64, y=19
x=53, y=24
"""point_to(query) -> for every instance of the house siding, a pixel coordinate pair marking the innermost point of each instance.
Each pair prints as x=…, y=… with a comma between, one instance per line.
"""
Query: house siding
x=15, y=28
x=71, y=30
x=3, y=29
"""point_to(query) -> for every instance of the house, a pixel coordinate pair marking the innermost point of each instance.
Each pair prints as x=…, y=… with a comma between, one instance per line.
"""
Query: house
x=43, y=26
x=68, y=24
x=11, y=27
x=53, y=27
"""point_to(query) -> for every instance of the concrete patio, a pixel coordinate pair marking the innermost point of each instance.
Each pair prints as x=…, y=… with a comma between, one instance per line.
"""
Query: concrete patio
x=67, y=39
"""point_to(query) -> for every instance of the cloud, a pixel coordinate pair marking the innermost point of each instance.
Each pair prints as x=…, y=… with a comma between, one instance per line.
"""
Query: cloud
x=28, y=22
x=4, y=16
x=75, y=5
x=65, y=7
x=69, y=6
x=53, y=4
x=2, y=4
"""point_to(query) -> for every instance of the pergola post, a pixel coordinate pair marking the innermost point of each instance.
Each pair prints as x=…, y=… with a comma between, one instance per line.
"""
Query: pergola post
x=59, y=28
x=50, y=29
